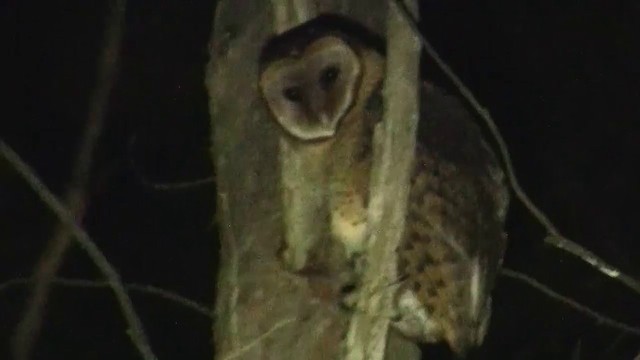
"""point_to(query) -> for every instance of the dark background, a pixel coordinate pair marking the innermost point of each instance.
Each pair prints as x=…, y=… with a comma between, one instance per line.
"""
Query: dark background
x=561, y=79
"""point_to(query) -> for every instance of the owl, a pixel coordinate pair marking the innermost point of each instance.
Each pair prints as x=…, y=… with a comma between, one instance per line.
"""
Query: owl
x=324, y=88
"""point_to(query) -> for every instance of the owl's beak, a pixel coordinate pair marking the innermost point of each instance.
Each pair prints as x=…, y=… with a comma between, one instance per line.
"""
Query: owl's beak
x=324, y=119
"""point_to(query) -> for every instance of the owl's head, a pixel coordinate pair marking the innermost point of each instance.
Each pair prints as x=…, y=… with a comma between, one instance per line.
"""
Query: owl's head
x=309, y=94
x=318, y=74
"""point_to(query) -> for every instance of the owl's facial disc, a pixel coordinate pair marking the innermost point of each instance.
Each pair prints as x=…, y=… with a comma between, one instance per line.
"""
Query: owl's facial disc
x=309, y=95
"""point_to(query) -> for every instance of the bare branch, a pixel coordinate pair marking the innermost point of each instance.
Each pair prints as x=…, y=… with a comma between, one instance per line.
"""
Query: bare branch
x=554, y=238
x=145, y=289
x=135, y=330
x=602, y=319
x=394, y=147
x=46, y=269
x=180, y=185
x=592, y=259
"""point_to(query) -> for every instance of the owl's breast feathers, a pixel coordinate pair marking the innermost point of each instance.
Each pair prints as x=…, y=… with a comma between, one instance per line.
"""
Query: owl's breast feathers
x=454, y=239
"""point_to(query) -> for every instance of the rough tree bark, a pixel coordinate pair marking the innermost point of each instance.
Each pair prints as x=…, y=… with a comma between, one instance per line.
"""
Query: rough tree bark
x=263, y=311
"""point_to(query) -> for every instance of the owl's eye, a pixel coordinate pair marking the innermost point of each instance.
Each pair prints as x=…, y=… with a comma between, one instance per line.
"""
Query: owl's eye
x=328, y=76
x=293, y=94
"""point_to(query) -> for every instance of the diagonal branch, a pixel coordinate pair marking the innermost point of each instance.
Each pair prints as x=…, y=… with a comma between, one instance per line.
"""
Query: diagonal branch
x=135, y=331
x=165, y=186
x=146, y=289
x=605, y=320
x=75, y=198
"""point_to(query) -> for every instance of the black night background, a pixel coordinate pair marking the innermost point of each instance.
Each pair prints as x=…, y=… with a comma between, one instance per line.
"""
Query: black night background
x=561, y=78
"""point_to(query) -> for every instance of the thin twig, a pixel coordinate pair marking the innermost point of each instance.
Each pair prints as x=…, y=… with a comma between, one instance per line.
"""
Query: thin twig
x=237, y=352
x=171, y=296
x=135, y=330
x=180, y=185
x=75, y=199
x=554, y=238
x=570, y=302
x=145, y=289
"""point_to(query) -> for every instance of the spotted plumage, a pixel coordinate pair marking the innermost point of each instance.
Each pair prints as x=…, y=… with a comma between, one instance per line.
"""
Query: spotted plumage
x=454, y=238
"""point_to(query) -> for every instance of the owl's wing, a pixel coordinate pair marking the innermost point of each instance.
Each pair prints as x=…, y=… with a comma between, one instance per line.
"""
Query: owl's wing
x=471, y=175
x=454, y=239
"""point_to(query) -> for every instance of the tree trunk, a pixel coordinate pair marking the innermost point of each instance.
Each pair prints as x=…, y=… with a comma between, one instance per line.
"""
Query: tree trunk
x=264, y=311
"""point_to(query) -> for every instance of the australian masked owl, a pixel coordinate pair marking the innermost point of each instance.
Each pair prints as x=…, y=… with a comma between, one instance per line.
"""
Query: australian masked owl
x=324, y=87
